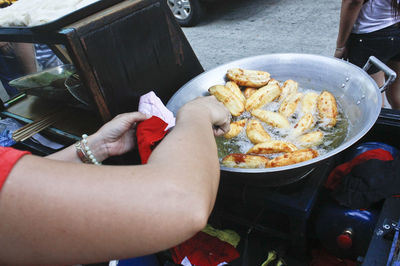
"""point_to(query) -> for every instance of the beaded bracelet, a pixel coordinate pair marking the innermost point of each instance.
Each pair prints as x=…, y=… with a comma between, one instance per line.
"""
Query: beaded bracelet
x=84, y=152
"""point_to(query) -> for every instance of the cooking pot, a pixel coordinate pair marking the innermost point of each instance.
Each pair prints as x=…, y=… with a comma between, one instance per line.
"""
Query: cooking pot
x=355, y=91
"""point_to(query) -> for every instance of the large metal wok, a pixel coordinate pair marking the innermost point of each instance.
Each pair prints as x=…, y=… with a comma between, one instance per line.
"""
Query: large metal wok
x=355, y=91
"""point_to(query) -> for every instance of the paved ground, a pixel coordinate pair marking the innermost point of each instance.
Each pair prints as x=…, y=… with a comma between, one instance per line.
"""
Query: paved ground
x=233, y=29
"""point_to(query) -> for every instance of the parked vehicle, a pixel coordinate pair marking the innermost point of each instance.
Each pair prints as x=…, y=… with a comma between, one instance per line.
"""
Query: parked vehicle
x=187, y=12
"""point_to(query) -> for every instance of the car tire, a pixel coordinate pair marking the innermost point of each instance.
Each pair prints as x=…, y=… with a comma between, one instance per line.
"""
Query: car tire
x=186, y=12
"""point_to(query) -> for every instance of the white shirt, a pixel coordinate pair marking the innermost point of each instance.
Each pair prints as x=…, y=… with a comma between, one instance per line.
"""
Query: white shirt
x=375, y=15
x=45, y=57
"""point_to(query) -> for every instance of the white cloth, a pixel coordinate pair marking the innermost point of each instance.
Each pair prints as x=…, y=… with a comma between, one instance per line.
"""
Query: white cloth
x=374, y=15
x=36, y=12
x=150, y=104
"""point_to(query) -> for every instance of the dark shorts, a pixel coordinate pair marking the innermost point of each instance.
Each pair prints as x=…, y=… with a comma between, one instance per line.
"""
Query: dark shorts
x=10, y=69
x=384, y=44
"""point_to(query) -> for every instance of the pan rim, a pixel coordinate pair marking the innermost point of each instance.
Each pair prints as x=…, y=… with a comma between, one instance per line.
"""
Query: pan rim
x=291, y=56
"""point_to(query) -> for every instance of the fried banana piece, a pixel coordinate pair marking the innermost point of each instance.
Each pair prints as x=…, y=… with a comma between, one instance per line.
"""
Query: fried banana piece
x=235, y=128
x=256, y=132
x=248, y=92
x=234, y=88
x=289, y=87
x=244, y=161
x=311, y=139
x=248, y=78
x=263, y=95
x=305, y=124
x=289, y=104
x=309, y=102
x=327, y=108
x=272, y=146
x=272, y=118
x=293, y=157
x=230, y=100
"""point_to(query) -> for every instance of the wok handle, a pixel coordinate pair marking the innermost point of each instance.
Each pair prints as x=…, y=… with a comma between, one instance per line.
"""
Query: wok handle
x=391, y=75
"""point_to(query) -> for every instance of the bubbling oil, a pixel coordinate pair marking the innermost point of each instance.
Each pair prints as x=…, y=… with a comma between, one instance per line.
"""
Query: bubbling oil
x=332, y=139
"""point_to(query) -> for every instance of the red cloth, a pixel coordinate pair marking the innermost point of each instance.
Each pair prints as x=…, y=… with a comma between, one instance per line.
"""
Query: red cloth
x=320, y=257
x=8, y=158
x=204, y=250
x=148, y=133
x=341, y=170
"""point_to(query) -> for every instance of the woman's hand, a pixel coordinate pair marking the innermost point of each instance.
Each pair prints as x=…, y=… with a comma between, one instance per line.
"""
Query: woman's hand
x=341, y=53
x=212, y=109
x=117, y=136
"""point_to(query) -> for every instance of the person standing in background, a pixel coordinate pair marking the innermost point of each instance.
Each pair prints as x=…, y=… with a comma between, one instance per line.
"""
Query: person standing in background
x=16, y=60
x=20, y=59
x=372, y=28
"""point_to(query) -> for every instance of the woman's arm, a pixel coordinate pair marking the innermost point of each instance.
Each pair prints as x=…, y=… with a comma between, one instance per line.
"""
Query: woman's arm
x=348, y=16
x=25, y=53
x=55, y=212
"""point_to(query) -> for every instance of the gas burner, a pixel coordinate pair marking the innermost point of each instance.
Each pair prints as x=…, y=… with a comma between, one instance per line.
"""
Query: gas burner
x=282, y=211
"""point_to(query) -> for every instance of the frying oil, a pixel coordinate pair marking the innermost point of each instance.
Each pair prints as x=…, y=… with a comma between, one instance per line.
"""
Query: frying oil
x=333, y=136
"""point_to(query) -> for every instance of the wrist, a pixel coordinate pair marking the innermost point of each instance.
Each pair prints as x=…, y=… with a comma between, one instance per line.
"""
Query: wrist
x=91, y=150
x=193, y=112
x=340, y=45
x=97, y=147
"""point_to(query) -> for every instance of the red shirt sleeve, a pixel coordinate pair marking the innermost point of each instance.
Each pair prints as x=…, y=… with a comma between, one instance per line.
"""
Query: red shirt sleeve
x=8, y=158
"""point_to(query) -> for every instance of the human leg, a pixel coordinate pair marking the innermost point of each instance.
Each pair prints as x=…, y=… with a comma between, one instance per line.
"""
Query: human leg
x=11, y=67
x=6, y=76
x=379, y=78
x=393, y=91
x=385, y=45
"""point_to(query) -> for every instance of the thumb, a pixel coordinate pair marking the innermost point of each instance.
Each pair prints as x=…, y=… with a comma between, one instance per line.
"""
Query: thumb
x=133, y=117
